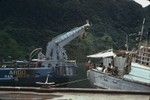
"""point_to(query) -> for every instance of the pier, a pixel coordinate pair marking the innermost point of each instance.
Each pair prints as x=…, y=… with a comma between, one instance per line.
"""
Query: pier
x=38, y=93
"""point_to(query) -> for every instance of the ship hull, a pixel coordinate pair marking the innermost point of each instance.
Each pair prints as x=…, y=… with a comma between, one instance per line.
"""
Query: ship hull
x=102, y=80
x=29, y=76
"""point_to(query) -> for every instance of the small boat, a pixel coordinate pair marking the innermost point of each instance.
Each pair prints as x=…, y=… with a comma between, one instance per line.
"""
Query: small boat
x=118, y=72
x=123, y=70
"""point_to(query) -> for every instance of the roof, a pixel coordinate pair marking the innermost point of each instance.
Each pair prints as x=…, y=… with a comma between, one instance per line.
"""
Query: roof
x=104, y=54
x=38, y=60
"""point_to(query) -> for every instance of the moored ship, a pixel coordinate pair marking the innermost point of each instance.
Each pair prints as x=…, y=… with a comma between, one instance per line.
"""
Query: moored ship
x=122, y=70
x=54, y=66
x=124, y=75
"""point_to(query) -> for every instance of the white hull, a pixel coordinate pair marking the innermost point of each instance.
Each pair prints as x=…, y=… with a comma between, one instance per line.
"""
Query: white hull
x=103, y=80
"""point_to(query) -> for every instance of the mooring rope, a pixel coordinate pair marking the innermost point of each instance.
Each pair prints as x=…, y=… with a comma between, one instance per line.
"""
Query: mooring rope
x=80, y=80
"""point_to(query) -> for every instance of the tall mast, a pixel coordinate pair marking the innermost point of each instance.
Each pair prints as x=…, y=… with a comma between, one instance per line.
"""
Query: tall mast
x=141, y=32
x=148, y=37
x=127, y=46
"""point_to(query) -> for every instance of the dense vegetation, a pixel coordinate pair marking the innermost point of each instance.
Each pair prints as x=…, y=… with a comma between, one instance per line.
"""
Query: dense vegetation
x=28, y=24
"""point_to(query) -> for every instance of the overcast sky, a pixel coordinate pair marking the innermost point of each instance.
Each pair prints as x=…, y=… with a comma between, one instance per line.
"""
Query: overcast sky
x=144, y=3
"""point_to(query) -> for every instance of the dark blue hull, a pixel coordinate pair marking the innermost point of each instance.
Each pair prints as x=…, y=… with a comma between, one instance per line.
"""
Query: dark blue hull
x=29, y=76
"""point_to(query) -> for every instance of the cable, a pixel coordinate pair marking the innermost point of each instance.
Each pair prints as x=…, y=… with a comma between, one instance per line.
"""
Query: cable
x=71, y=82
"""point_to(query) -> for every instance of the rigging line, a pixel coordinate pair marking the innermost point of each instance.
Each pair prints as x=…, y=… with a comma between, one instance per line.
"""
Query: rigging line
x=80, y=80
x=115, y=44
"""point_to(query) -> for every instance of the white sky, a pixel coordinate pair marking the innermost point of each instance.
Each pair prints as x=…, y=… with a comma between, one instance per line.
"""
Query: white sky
x=144, y=3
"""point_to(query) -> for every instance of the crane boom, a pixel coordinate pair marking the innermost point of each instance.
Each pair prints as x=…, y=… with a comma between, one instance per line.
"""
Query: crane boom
x=55, y=50
x=56, y=58
x=65, y=38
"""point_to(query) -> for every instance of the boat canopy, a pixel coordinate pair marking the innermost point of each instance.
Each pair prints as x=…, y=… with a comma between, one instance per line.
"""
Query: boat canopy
x=104, y=54
x=38, y=60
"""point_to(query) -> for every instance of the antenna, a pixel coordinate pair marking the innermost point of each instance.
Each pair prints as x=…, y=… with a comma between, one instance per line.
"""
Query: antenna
x=148, y=37
x=87, y=21
x=141, y=32
x=127, y=47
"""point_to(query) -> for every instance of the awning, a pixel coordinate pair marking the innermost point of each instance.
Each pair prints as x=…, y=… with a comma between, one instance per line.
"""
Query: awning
x=39, y=60
x=104, y=54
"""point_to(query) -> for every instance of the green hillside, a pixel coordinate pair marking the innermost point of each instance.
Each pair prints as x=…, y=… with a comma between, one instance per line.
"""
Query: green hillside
x=28, y=24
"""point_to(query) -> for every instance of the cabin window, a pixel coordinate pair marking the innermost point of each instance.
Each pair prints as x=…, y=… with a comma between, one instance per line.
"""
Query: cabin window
x=147, y=63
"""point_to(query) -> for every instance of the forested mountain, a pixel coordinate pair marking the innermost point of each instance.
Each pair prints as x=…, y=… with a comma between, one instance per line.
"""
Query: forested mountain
x=28, y=24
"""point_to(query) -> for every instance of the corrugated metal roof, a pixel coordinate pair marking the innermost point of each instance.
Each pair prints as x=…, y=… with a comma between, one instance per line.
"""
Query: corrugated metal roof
x=108, y=53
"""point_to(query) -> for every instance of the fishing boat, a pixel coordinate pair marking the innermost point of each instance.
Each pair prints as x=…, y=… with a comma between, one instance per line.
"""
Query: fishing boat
x=54, y=65
x=122, y=70
x=118, y=72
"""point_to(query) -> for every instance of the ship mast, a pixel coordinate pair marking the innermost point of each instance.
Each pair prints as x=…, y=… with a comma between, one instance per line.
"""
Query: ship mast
x=141, y=32
x=148, y=37
x=143, y=51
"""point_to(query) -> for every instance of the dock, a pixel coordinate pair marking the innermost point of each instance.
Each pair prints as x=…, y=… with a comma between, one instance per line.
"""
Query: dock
x=38, y=93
